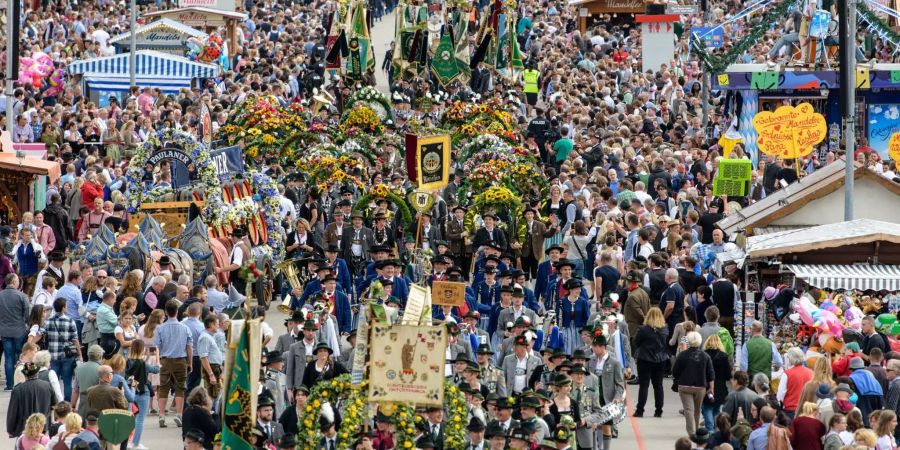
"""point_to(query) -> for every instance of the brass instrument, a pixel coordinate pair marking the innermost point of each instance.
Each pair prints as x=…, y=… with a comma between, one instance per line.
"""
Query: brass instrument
x=290, y=274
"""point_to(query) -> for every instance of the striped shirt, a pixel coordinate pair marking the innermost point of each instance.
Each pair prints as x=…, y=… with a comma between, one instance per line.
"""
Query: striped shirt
x=172, y=338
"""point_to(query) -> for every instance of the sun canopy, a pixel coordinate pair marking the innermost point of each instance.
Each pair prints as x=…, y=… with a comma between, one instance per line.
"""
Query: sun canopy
x=119, y=83
x=861, y=277
x=148, y=63
x=823, y=237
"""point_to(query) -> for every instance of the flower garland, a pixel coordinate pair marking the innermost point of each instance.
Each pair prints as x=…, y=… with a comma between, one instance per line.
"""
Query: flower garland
x=374, y=98
x=263, y=126
x=497, y=197
x=136, y=193
x=469, y=120
x=266, y=192
x=382, y=192
x=455, y=404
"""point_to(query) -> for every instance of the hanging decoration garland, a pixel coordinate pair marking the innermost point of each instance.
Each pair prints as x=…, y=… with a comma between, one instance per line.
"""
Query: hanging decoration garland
x=877, y=25
x=135, y=191
x=382, y=192
x=455, y=405
x=718, y=64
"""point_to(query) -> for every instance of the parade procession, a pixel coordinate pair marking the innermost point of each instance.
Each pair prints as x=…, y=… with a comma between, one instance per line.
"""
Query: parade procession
x=452, y=225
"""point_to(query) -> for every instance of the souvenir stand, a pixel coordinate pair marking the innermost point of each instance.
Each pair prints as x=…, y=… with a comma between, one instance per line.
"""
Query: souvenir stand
x=17, y=176
x=164, y=35
x=208, y=20
x=862, y=255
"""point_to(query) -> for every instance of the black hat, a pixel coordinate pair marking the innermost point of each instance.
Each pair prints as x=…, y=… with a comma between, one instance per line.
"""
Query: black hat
x=529, y=209
x=573, y=283
x=454, y=270
x=494, y=429
x=165, y=261
x=580, y=354
x=332, y=248
x=265, y=399
x=323, y=267
x=472, y=314
x=297, y=316
x=579, y=368
x=484, y=349
x=475, y=425
x=492, y=258
x=289, y=440
x=518, y=292
x=563, y=263
x=520, y=433
x=438, y=242
x=440, y=259
x=452, y=328
x=238, y=232
x=92, y=415
x=425, y=441
x=329, y=277
x=506, y=289
x=506, y=273
x=57, y=256
x=30, y=369
x=380, y=417
x=494, y=245
x=489, y=271
x=274, y=356
x=554, y=247
x=343, y=203
x=386, y=282
x=634, y=275
x=463, y=208
x=530, y=402
x=489, y=214
x=309, y=325
x=195, y=435
x=379, y=249
x=461, y=357
x=599, y=339
x=472, y=366
x=346, y=190
x=321, y=346
x=506, y=403
x=701, y=436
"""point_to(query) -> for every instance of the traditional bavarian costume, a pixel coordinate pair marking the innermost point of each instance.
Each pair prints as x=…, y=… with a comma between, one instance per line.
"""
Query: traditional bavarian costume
x=238, y=254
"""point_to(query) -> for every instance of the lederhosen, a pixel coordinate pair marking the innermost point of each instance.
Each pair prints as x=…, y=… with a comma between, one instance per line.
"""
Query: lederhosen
x=234, y=276
x=93, y=227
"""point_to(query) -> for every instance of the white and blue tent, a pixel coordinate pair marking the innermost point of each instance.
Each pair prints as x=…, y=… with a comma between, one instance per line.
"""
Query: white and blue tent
x=109, y=74
x=163, y=35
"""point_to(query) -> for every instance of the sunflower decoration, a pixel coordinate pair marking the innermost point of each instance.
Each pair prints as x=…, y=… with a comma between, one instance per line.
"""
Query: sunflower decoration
x=455, y=405
x=362, y=117
x=333, y=392
x=264, y=127
x=380, y=192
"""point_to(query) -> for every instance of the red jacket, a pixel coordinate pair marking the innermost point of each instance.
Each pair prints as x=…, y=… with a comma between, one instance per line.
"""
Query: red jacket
x=90, y=191
x=841, y=367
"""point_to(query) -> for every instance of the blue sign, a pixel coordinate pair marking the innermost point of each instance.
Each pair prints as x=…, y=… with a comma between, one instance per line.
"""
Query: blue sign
x=712, y=37
x=226, y=160
x=884, y=120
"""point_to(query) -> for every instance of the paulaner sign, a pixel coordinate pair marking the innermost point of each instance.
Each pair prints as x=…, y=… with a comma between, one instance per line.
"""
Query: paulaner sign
x=170, y=154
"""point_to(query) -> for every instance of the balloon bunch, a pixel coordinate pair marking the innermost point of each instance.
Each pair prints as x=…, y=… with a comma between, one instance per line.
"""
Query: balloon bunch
x=33, y=69
x=205, y=50
x=823, y=320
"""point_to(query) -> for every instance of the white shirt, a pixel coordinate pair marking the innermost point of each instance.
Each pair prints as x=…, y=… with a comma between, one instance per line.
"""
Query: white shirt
x=521, y=371
x=237, y=255
x=101, y=36
x=600, y=364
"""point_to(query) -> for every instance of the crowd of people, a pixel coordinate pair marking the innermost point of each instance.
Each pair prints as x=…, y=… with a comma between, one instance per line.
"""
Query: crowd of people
x=619, y=250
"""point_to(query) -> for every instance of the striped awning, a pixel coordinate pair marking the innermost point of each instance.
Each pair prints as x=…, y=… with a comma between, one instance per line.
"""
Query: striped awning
x=148, y=63
x=120, y=83
x=861, y=277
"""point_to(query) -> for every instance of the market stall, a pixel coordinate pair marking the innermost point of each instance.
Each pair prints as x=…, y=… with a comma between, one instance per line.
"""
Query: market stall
x=590, y=12
x=763, y=87
x=108, y=76
x=206, y=19
x=163, y=35
x=17, y=177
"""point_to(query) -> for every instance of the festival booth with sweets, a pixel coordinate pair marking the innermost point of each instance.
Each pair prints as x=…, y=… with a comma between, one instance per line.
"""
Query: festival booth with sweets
x=854, y=266
x=207, y=20
x=817, y=199
x=753, y=88
x=109, y=76
x=163, y=35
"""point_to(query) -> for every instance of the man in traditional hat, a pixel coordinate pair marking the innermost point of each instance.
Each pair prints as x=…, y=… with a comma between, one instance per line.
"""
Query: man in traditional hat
x=356, y=241
x=53, y=270
x=532, y=247
x=496, y=436
x=517, y=308
x=520, y=438
x=300, y=354
x=390, y=271
x=470, y=327
x=457, y=237
x=530, y=409
x=490, y=376
x=436, y=427
x=194, y=440
x=490, y=233
x=429, y=232
x=315, y=284
x=556, y=290
x=584, y=392
x=265, y=418
x=475, y=439
x=546, y=271
x=491, y=252
x=334, y=231
x=562, y=437
x=293, y=332
x=29, y=397
x=338, y=267
x=611, y=379
x=275, y=381
x=518, y=367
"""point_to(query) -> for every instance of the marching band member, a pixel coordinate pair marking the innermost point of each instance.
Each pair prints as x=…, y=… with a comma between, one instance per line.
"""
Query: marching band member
x=574, y=311
x=487, y=294
x=338, y=267
x=546, y=271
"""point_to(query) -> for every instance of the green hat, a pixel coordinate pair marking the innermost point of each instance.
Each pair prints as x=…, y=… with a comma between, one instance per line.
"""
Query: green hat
x=472, y=366
x=599, y=340
x=310, y=325
x=484, y=349
x=562, y=434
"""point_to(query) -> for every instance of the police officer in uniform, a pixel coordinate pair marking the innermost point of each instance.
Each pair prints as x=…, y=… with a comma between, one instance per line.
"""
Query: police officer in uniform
x=532, y=78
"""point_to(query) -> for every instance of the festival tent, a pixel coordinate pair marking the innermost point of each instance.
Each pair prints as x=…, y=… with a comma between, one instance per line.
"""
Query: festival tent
x=106, y=76
x=164, y=35
x=818, y=199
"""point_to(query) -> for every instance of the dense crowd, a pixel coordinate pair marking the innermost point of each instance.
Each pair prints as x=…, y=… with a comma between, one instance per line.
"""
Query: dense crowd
x=620, y=250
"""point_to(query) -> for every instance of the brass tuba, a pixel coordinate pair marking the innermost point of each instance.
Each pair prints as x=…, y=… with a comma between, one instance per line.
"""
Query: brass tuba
x=290, y=274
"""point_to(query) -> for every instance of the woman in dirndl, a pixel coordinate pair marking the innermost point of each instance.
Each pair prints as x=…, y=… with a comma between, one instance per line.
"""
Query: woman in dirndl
x=574, y=311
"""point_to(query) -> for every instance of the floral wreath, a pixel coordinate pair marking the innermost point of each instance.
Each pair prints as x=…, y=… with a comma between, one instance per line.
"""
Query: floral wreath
x=264, y=127
x=374, y=98
x=352, y=400
x=382, y=192
x=455, y=404
x=136, y=193
x=362, y=118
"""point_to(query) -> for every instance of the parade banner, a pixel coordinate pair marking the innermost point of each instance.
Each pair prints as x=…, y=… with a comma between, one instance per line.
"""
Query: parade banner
x=116, y=425
x=241, y=377
x=428, y=160
x=415, y=305
x=443, y=64
x=407, y=365
x=226, y=161
x=448, y=293
x=358, y=369
x=789, y=132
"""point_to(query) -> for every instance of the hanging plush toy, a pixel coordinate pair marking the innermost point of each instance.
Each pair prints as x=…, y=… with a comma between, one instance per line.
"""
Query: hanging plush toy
x=56, y=83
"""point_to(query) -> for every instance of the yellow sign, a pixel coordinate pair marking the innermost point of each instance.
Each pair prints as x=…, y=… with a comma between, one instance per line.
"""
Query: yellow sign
x=448, y=293
x=863, y=81
x=894, y=149
x=407, y=365
x=789, y=132
x=723, y=79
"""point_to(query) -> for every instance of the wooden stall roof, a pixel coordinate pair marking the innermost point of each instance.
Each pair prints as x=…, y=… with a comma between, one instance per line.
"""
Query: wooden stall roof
x=9, y=162
x=784, y=202
x=833, y=235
